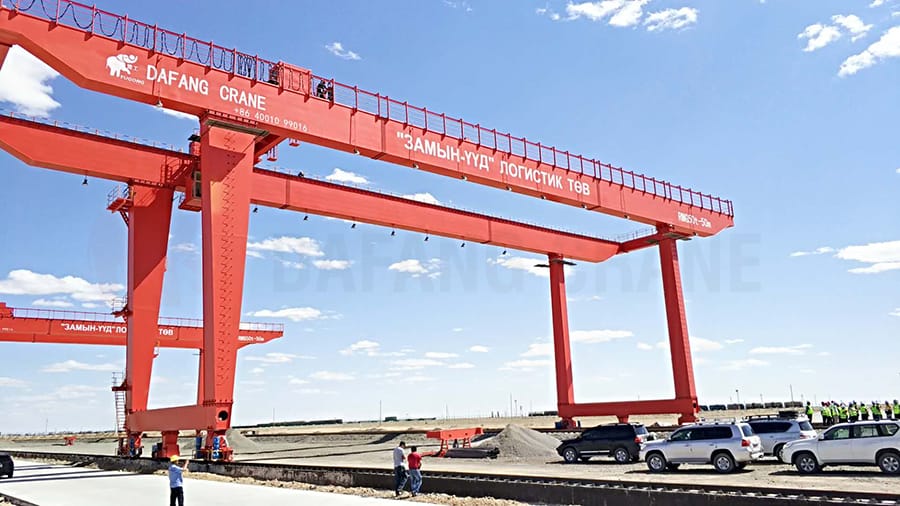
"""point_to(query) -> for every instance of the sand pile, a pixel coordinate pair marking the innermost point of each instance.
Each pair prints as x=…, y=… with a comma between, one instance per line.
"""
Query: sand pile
x=516, y=441
x=241, y=443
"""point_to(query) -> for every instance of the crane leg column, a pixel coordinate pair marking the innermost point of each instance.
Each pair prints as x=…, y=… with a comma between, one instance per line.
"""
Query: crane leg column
x=679, y=342
x=4, y=50
x=565, y=393
x=226, y=167
x=148, y=240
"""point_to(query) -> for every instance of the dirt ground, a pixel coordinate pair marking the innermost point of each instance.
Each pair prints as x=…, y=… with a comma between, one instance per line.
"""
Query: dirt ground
x=323, y=445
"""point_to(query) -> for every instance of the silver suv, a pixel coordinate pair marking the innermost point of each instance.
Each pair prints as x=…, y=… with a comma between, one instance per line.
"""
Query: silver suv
x=728, y=446
x=775, y=431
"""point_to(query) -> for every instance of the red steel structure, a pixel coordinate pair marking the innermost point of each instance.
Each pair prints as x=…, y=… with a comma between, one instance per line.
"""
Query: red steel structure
x=247, y=106
x=53, y=326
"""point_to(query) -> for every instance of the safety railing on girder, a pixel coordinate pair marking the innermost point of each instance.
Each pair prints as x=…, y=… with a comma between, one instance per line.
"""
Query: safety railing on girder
x=88, y=316
x=250, y=66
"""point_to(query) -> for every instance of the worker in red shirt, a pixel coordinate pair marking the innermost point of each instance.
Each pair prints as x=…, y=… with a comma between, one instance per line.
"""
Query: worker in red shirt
x=415, y=473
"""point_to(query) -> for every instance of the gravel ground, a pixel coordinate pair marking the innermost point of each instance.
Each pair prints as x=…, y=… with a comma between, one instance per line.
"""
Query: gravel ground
x=373, y=450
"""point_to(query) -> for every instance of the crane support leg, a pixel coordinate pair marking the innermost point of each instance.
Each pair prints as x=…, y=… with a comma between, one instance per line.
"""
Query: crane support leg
x=565, y=393
x=226, y=167
x=679, y=343
x=4, y=50
x=148, y=238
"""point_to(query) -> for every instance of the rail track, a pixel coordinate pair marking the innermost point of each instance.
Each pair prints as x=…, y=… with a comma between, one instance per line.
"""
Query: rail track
x=530, y=489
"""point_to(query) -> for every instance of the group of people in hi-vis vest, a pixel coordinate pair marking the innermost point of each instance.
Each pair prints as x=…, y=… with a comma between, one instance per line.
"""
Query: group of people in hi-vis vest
x=833, y=412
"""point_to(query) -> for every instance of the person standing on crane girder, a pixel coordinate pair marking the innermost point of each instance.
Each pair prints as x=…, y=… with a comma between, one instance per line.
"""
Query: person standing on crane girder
x=176, y=480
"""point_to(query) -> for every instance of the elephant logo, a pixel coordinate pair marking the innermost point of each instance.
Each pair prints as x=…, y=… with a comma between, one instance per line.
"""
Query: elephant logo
x=121, y=63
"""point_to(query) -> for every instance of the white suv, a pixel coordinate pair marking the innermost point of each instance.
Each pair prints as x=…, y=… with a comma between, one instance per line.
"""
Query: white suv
x=775, y=431
x=727, y=446
x=860, y=443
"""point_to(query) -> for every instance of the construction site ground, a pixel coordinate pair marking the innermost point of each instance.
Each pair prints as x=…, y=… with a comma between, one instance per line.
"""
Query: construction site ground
x=524, y=452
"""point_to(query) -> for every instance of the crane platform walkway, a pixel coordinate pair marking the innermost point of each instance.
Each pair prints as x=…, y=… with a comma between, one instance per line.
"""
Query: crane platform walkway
x=60, y=485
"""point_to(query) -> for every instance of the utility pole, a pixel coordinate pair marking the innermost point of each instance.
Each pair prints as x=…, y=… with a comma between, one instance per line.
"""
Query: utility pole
x=792, y=393
x=737, y=394
x=379, y=412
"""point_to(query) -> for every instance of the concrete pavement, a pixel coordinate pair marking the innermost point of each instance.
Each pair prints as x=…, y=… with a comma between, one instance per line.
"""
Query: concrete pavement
x=58, y=485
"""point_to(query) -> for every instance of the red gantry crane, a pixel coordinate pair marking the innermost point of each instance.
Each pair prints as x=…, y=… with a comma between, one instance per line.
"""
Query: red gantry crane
x=247, y=106
x=54, y=326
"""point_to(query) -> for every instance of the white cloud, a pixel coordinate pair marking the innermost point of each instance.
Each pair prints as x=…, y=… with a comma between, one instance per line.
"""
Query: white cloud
x=852, y=24
x=254, y=254
x=296, y=314
x=72, y=365
x=549, y=12
x=291, y=264
x=412, y=364
x=458, y=5
x=297, y=381
x=886, y=47
x=824, y=354
x=895, y=312
x=276, y=358
x=698, y=345
x=479, y=349
x=671, y=19
x=11, y=382
x=733, y=341
x=819, y=36
x=257, y=370
x=898, y=170
x=416, y=268
x=331, y=376
x=644, y=346
x=883, y=256
x=818, y=251
x=440, y=354
x=177, y=114
x=332, y=265
x=52, y=303
x=598, y=336
x=25, y=282
x=524, y=365
x=186, y=247
x=24, y=82
x=422, y=197
x=876, y=3
x=539, y=350
x=365, y=347
x=621, y=13
x=90, y=305
x=337, y=49
x=457, y=329
x=738, y=365
x=799, y=349
x=526, y=264
x=461, y=365
x=344, y=176
x=284, y=244
x=418, y=378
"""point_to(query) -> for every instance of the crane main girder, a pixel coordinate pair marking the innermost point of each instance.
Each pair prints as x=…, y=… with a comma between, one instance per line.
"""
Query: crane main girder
x=64, y=149
x=126, y=58
x=47, y=326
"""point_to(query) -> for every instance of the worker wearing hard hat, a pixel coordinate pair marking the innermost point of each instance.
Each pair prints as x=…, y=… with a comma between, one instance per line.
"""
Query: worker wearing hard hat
x=176, y=482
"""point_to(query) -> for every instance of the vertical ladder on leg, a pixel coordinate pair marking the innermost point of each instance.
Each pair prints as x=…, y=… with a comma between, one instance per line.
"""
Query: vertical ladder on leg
x=119, y=394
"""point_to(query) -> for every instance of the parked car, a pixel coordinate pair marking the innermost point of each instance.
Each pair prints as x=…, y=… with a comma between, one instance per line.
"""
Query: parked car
x=6, y=465
x=858, y=443
x=728, y=446
x=775, y=431
x=621, y=441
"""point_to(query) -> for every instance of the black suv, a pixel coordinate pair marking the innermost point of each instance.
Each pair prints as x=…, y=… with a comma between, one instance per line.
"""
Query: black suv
x=621, y=441
x=6, y=465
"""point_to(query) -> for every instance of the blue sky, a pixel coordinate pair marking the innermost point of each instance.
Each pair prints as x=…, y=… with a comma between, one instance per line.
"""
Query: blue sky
x=787, y=107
